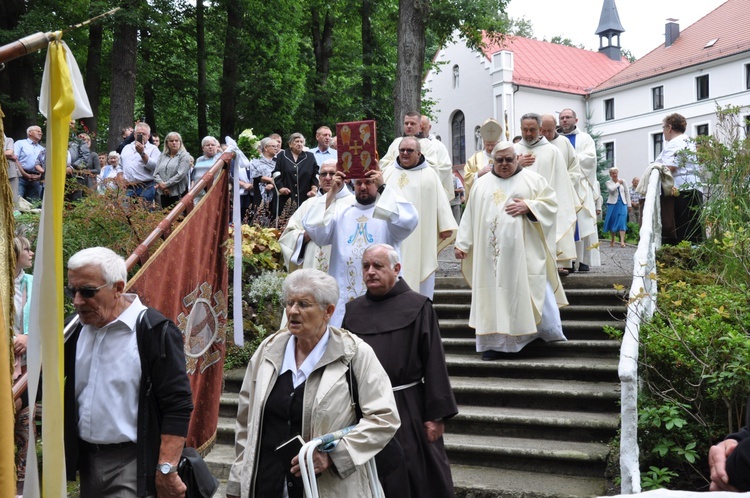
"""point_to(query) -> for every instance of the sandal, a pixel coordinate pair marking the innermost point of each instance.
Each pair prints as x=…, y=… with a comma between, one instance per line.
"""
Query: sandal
x=563, y=272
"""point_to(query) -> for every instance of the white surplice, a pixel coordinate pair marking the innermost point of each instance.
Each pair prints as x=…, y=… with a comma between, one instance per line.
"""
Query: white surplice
x=349, y=228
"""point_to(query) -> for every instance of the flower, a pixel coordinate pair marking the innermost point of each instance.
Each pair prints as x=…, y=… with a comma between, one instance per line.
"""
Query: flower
x=248, y=143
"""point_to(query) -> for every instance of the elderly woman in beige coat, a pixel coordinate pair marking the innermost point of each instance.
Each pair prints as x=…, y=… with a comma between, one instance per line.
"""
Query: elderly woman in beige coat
x=296, y=383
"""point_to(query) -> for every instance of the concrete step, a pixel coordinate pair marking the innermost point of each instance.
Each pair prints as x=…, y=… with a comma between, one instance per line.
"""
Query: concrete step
x=591, y=296
x=563, y=425
x=528, y=454
x=589, y=349
x=233, y=379
x=537, y=393
x=220, y=461
x=228, y=404
x=571, y=312
x=528, y=367
x=484, y=482
x=573, y=329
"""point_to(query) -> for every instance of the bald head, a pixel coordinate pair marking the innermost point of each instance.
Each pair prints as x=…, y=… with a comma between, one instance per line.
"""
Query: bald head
x=549, y=127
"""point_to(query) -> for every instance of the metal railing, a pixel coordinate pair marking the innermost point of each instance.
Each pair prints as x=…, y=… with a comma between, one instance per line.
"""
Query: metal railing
x=641, y=306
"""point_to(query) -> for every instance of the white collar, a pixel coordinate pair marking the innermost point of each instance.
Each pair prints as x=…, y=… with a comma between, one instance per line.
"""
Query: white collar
x=290, y=362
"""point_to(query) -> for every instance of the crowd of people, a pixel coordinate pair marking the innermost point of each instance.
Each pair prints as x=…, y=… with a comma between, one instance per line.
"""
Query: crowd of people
x=360, y=346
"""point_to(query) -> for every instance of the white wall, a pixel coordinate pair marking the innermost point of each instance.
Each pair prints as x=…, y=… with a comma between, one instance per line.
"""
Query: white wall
x=635, y=121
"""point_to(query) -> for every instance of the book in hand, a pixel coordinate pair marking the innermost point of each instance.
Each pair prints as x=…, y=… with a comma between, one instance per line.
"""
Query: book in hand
x=356, y=144
x=287, y=450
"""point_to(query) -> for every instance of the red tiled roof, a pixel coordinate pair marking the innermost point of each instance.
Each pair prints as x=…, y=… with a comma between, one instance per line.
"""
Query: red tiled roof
x=549, y=66
x=729, y=23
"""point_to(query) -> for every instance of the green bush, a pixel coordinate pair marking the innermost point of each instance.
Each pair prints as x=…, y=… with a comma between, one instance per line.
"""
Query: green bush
x=694, y=355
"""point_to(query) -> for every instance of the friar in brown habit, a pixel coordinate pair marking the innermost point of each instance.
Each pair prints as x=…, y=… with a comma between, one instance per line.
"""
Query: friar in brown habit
x=402, y=328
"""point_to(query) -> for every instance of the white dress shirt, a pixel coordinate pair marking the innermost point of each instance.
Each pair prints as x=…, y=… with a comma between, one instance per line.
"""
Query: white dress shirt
x=108, y=376
x=300, y=375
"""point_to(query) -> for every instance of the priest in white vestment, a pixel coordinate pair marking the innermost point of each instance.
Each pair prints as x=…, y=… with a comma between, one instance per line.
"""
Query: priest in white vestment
x=414, y=180
x=585, y=206
x=543, y=158
x=587, y=248
x=480, y=163
x=433, y=150
x=375, y=214
x=296, y=247
x=505, y=240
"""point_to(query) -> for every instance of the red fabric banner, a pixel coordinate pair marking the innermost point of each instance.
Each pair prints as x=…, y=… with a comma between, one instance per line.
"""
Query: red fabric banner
x=186, y=279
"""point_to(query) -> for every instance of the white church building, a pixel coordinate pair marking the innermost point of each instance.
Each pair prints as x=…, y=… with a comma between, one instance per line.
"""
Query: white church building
x=693, y=71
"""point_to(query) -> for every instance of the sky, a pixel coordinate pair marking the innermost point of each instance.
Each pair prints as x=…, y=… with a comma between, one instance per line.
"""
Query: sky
x=643, y=20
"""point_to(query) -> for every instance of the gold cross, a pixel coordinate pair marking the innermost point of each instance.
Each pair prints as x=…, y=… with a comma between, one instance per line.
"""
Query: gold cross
x=355, y=148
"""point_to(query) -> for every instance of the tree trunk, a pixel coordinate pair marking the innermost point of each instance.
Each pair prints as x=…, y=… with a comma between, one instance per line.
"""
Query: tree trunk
x=323, y=49
x=412, y=15
x=235, y=13
x=149, y=94
x=93, y=75
x=200, y=25
x=368, y=56
x=122, y=100
x=17, y=80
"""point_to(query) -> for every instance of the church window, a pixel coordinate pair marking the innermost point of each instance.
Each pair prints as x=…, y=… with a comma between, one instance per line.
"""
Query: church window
x=701, y=86
x=456, y=76
x=458, y=138
x=609, y=154
x=701, y=130
x=658, y=143
x=609, y=109
x=657, y=94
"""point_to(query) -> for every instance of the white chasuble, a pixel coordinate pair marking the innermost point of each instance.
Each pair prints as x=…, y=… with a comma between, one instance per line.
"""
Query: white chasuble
x=550, y=164
x=419, y=252
x=509, y=263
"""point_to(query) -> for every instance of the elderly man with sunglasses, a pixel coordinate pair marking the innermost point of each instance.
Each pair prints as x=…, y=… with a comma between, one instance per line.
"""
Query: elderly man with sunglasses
x=298, y=249
x=127, y=394
x=415, y=180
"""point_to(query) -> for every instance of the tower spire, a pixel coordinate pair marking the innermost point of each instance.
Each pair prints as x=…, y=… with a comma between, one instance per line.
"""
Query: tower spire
x=610, y=28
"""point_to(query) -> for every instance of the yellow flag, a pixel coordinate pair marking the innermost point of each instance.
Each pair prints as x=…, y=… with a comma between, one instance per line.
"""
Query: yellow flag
x=46, y=316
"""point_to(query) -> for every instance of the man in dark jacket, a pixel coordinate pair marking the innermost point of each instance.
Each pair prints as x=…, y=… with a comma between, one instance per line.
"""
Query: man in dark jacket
x=127, y=394
x=729, y=460
x=402, y=328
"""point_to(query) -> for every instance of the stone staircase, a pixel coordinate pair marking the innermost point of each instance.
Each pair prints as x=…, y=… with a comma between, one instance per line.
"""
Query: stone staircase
x=536, y=425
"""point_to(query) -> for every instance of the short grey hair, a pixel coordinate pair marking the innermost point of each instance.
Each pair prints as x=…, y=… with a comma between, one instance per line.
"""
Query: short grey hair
x=502, y=146
x=532, y=115
x=143, y=126
x=393, y=257
x=318, y=284
x=264, y=142
x=417, y=145
x=111, y=265
x=113, y=153
x=295, y=136
x=207, y=139
x=329, y=162
x=28, y=130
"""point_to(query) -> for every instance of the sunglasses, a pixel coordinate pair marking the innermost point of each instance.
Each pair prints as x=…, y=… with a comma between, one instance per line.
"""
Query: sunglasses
x=86, y=292
x=328, y=173
x=406, y=151
x=508, y=160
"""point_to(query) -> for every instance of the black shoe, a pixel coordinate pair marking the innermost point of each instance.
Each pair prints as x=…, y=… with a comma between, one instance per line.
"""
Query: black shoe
x=572, y=268
x=491, y=355
x=583, y=267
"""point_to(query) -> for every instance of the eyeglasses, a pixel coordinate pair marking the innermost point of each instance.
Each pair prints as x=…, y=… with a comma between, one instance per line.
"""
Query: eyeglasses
x=302, y=305
x=506, y=159
x=86, y=292
x=406, y=151
x=327, y=173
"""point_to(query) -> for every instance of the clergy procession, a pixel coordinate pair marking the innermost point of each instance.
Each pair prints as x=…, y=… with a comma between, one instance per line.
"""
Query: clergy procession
x=378, y=235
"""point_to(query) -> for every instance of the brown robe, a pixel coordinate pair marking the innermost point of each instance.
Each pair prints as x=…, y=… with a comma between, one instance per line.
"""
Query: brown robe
x=402, y=328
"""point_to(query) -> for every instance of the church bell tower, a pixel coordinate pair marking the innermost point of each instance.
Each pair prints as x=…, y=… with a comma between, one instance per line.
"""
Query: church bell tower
x=609, y=30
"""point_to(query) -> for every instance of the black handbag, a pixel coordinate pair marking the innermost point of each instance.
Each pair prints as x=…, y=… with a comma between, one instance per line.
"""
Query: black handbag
x=195, y=474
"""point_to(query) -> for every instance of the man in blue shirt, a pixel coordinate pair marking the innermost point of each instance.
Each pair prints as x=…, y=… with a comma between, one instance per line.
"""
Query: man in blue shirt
x=324, y=151
x=27, y=150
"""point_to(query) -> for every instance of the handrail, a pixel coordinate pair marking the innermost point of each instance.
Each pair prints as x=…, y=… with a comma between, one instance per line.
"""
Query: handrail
x=641, y=306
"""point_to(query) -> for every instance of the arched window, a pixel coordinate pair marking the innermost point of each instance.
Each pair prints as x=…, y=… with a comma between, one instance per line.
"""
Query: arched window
x=458, y=136
x=456, y=76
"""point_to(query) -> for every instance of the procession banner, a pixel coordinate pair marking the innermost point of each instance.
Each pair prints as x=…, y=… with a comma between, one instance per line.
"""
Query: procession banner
x=186, y=279
x=356, y=144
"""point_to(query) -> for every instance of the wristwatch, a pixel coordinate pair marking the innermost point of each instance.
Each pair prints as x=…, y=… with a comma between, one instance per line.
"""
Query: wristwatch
x=166, y=468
